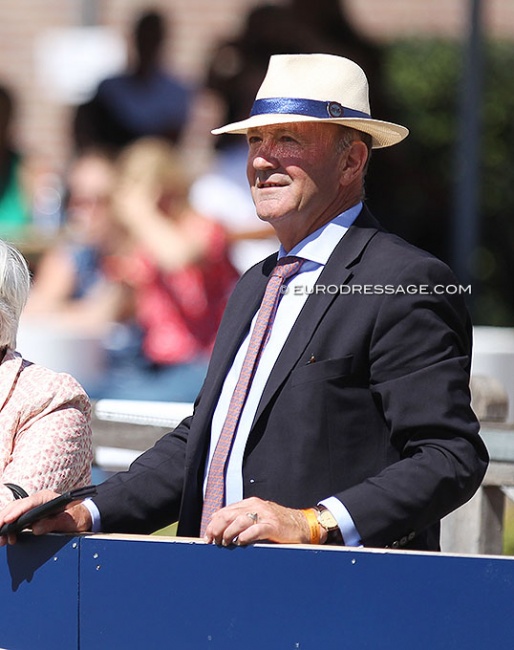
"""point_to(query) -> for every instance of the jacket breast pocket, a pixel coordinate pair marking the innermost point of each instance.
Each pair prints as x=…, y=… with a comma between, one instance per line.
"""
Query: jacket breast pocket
x=322, y=370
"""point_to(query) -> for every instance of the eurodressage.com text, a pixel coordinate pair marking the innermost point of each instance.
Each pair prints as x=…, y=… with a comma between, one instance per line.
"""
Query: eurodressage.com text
x=378, y=289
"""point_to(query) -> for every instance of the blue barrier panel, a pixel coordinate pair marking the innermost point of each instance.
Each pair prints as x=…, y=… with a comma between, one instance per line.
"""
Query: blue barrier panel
x=39, y=593
x=108, y=592
x=155, y=593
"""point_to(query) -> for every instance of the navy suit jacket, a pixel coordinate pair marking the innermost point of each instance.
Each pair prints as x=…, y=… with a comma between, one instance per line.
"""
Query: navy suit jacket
x=368, y=401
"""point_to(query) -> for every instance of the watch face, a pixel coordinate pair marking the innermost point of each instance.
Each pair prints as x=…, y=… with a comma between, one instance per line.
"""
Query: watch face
x=327, y=520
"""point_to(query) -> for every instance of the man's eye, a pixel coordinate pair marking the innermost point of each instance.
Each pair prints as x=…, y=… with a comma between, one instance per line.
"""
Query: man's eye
x=253, y=139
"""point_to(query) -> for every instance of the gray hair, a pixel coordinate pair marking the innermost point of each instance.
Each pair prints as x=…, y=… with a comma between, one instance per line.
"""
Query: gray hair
x=347, y=135
x=14, y=292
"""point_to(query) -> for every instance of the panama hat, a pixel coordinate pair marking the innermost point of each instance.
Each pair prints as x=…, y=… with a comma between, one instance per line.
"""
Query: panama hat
x=316, y=88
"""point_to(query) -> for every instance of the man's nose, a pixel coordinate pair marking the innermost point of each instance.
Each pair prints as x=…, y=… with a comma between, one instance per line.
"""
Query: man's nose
x=265, y=158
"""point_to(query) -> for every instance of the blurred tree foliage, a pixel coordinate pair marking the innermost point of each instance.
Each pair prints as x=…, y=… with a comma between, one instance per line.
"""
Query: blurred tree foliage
x=411, y=187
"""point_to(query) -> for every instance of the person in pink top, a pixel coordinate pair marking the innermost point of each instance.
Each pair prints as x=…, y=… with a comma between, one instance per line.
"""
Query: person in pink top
x=177, y=271
x=45, y=416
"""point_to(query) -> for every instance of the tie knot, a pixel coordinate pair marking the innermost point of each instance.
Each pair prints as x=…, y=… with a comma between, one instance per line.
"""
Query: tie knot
x=288, y=266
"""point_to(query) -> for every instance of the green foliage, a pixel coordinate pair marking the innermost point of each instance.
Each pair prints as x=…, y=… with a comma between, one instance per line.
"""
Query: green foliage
x=168, y=531
x=508, y=529
x=424, y=76
x=423, y=81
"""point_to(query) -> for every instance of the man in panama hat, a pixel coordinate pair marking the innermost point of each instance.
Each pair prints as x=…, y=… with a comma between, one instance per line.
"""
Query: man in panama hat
x=336, y=408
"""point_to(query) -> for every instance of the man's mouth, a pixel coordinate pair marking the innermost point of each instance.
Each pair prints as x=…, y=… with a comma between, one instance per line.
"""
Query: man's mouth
x=265, y=184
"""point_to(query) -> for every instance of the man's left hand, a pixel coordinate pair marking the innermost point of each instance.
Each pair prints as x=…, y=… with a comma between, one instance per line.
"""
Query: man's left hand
x=253, y=520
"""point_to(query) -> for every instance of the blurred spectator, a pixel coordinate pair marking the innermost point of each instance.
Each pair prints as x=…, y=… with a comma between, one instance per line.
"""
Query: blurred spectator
x=145, y=100
x=45, y=433
x=14, y=208
x=29, y=200
x=179, y=273
x=70, y=285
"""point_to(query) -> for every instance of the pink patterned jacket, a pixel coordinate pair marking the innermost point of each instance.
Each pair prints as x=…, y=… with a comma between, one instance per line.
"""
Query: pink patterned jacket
x=45, y=429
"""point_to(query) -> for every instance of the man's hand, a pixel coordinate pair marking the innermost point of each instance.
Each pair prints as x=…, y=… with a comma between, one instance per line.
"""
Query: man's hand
x=74, y=519
x=253, y=519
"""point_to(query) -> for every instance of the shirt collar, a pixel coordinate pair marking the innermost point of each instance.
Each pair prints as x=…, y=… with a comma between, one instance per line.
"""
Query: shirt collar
x=320, y=244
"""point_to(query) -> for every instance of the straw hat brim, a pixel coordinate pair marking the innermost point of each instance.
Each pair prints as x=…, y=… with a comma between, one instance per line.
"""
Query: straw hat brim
x=384, y=134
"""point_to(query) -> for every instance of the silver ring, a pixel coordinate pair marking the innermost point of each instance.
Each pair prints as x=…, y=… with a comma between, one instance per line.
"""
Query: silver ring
x=253, y=516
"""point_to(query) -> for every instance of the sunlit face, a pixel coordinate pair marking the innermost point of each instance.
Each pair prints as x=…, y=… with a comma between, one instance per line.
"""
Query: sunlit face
x=294, y=172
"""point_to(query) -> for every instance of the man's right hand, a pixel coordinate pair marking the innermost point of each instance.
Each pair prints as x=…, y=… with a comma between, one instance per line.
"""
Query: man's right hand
x=74, y=519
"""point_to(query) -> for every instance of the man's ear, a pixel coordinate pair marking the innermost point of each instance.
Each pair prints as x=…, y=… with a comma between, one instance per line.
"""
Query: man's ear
x=354, y=162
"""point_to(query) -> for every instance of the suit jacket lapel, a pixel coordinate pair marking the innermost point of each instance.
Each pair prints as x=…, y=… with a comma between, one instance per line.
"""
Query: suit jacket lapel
x=337, y=271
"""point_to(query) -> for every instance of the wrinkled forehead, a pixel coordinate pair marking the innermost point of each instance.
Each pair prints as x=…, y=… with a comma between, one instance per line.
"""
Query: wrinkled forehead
x=319, y=130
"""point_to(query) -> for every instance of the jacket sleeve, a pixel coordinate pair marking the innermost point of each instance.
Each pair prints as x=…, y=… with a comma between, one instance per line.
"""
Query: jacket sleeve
x=420, y=356
x=148, y=495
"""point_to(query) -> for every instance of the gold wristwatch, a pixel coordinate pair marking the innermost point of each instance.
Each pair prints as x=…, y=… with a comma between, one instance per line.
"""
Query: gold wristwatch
x=327, y=520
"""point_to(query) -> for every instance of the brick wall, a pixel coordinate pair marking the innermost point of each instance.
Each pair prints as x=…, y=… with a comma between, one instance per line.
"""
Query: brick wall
x=391, y=18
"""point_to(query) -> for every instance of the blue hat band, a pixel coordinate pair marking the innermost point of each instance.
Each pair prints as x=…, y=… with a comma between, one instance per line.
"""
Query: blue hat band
x=309, y=107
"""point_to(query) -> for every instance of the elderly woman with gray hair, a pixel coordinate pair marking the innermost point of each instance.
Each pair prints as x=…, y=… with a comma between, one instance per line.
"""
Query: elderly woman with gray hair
x=45, y=416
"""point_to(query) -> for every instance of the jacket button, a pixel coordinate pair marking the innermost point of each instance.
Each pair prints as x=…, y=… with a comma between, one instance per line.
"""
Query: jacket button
x=395, y=545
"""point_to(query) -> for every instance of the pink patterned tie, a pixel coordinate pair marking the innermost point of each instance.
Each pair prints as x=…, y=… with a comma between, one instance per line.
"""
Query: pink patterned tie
x=215, y=490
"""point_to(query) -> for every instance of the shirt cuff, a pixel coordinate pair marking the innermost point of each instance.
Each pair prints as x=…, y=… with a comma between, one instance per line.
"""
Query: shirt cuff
x=347, y=527
x=96, y=520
